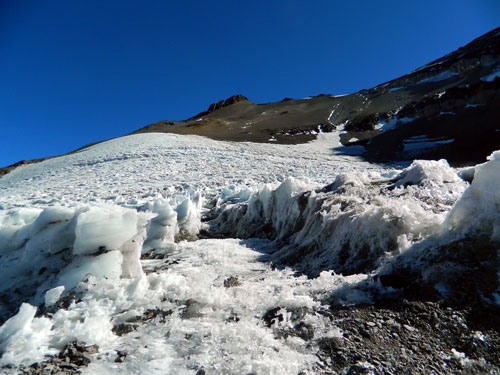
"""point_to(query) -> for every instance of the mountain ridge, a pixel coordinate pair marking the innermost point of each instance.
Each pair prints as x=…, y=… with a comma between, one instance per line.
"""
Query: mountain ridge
x=429, y=113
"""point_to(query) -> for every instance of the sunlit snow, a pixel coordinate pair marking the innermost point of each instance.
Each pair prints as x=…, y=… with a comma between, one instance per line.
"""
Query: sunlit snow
x=105, y=243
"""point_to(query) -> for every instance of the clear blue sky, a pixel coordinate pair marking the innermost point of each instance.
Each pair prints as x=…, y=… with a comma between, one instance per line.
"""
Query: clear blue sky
x=74, y=72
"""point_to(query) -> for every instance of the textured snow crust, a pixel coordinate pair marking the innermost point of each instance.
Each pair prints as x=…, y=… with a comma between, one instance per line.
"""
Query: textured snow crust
x=134, y=170
x=460, y=261
x=105, y=243
x=478, y=209
x=352, y=225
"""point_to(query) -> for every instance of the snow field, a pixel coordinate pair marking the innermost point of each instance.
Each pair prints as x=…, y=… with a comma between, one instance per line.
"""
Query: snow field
x=203, y=303
x=89, y=208
x=131, y=171
x=209, y=325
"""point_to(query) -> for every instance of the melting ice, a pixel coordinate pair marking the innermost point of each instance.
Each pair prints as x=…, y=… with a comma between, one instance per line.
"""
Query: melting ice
x=104, y=246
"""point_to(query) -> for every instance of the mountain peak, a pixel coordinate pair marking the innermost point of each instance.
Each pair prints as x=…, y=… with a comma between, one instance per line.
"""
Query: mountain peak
x=224, y=103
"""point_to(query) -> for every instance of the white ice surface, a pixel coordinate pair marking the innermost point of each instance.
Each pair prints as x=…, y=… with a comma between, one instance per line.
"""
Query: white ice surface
x=76, y=217
x=478, y=209
x=208, y=325
x=133, y=170
x=76, y=224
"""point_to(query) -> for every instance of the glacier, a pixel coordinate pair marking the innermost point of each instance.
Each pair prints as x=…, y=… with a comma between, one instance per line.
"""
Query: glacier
x=173, y=248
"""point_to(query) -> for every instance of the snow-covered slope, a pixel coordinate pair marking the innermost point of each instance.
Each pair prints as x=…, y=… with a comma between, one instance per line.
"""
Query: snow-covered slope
x=132, y=170
x=103, y=246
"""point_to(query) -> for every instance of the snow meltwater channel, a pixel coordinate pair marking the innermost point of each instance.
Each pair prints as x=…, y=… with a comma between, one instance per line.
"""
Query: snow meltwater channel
x=103, y=246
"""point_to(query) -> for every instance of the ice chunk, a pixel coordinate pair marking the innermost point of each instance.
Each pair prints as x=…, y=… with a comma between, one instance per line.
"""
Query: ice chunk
x=103, y=227
x=284, y=215
x=51, y=215
x=47, y=233
x=19, y=216
x=430, y=170
x=50, y=239
x=131, y=252
x=88, y=322
x=16, y=324
x=189, y=215
x=7, y=238
x=61, y=246
x=53, y=295
x=478, y=210
x=432, y=181
x=163, y=227
x=22, y=337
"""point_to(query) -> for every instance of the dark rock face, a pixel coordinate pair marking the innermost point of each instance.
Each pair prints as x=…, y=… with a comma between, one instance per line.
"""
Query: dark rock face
x=224, y=103
x=362, y=123
x=451, y=104
x=464, y=117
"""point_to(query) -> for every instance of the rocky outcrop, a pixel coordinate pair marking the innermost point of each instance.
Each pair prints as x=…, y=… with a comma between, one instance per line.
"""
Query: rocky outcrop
x=224, y=103
x=481, y=53
x=452, y=100
x=447, y=109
